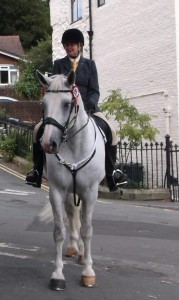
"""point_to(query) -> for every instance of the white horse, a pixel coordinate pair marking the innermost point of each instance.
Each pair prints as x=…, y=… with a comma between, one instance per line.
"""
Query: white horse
x=75, y=165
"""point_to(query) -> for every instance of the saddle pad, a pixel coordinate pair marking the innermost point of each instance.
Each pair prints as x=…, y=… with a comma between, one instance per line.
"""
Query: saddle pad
x=108, y=130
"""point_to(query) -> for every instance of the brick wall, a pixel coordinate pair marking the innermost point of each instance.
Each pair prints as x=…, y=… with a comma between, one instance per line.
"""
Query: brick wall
x=30, y=111
x=9, y=91
x=7, y=60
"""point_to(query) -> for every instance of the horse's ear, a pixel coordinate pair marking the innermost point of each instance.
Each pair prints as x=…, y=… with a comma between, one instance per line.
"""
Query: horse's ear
x=44, y=80
x=71, y=78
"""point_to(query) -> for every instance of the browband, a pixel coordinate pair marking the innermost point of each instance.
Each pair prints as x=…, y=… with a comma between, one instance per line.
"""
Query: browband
x=58, y=91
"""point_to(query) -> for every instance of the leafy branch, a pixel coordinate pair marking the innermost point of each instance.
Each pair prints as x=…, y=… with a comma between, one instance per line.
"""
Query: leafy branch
x=133, y=126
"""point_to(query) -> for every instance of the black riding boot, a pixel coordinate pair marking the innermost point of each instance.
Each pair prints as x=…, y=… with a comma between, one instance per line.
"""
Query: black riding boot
x=114, y=177
x=34, y=177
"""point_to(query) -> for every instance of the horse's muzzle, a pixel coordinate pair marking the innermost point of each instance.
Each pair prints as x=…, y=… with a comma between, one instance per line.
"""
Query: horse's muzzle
x=51, y=139
x=49, y=147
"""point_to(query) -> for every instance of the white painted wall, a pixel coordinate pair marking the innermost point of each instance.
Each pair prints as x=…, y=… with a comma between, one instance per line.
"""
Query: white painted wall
x=135, y=47
x=177, y=51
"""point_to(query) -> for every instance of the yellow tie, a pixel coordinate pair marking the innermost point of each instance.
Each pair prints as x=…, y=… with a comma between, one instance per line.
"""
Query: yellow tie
x=74, y=65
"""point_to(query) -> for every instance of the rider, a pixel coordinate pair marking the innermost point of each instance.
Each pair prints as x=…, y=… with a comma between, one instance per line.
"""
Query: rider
x=87, y=81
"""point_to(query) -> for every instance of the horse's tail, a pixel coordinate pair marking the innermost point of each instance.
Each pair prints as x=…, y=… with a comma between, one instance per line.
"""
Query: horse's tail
x=46, y=214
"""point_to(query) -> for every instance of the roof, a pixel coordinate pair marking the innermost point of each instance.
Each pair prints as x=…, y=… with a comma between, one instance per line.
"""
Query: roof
x=11, y=44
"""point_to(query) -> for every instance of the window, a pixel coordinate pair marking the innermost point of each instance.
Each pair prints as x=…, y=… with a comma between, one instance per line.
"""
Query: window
x=8, y=74
x=76, y=10
x=101, y=2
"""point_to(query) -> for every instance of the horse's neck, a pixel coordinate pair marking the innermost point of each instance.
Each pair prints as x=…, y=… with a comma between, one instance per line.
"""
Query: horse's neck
x=81, y=140
x=82, y=117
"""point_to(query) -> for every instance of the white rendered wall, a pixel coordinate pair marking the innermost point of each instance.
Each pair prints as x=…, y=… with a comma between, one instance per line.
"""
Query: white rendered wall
x=134, y=47
x=177, y=51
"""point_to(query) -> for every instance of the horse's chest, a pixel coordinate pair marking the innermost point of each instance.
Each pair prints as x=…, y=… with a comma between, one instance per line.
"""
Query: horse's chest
x=64, y=176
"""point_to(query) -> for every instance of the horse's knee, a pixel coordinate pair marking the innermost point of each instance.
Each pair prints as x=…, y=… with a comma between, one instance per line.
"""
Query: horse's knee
x=59, y=234
x=86, y=232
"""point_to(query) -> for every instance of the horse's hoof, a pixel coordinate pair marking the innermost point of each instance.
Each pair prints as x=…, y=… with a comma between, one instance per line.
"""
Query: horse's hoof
x=71, y=251
x=88, y=281
x=57, y=284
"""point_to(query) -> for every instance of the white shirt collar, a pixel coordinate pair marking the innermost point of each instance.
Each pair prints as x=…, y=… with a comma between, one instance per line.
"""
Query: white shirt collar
x=77, y=58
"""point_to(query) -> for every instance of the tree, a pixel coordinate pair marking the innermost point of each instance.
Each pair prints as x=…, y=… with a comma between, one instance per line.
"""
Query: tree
x=132, y=125
x=28, y=85
x=30, y=19
x=39, y=57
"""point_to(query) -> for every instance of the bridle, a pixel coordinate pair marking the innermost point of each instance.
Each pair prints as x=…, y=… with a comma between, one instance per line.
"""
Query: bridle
x=72, y=167
x=50, y=120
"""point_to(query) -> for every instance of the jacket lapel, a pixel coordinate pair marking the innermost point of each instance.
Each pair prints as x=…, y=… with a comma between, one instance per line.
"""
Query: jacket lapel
x=80, y=64
x=67, y=64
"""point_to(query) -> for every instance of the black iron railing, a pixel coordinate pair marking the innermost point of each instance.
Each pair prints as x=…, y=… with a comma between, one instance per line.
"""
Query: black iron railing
x=22, y=131
x=147, y=165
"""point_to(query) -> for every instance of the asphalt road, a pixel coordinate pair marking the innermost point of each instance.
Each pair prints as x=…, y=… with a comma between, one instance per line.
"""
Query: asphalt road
x=135, y=248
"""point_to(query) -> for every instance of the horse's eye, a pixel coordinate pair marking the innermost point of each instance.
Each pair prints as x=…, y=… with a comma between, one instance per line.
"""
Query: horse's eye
x=66, y=105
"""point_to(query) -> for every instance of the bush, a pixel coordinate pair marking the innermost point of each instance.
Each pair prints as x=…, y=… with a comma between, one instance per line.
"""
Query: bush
x=8, y=148
x=134, y=172
x=22, y=148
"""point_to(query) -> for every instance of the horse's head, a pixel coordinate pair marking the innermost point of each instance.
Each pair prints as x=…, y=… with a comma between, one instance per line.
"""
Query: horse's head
x=60, y=109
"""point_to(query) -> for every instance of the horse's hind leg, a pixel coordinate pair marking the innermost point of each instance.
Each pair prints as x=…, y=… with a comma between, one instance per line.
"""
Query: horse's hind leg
x=73, y=214
x=57, y=281
x=88, y=278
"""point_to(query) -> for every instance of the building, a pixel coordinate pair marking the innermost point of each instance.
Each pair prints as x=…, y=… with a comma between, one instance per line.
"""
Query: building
x=11, y=52
x=135, y=45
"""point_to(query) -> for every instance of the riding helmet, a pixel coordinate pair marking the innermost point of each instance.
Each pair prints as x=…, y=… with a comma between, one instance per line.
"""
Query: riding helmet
x=72, y=35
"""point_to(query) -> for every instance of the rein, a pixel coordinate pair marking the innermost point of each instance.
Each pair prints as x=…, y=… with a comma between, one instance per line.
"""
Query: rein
x=70, y=137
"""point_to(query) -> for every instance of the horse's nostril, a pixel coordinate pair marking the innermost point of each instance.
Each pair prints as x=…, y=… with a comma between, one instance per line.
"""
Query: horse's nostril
x=54, y=144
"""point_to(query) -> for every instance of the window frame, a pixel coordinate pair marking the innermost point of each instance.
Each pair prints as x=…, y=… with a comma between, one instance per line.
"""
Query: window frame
x=101, y=3
x=10, y=69
x=76, y=10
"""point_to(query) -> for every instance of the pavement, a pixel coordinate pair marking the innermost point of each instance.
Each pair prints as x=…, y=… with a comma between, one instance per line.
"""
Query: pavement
x=152, y=197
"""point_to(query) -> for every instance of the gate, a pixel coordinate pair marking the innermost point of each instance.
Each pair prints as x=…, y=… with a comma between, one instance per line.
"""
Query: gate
x=172, y=172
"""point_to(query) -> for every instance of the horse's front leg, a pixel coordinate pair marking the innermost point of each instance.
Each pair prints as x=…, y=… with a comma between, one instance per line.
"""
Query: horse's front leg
x=88, y=275
x=73, y=214
x=57, y=281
